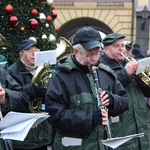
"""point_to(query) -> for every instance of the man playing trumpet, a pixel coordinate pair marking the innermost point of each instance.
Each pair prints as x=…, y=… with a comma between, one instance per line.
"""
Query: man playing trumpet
x=134, y=120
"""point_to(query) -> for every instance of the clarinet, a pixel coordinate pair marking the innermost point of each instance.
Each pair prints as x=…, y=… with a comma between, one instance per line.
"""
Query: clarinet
x=98, y=92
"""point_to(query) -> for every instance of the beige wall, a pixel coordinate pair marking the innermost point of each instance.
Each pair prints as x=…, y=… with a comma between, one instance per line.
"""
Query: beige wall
x=117, y=16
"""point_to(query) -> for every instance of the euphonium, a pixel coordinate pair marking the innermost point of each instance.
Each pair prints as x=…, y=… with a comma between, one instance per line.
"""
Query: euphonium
x=43, y=73
x=144, y=76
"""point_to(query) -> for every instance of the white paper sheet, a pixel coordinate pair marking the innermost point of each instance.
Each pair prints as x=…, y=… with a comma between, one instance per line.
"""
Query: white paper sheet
x=16, y=126
x=43, y=57
x=142, y=64
x=116, y=142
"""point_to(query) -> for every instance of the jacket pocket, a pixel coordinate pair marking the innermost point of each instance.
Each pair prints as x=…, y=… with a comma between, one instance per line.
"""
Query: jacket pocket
x=83, y=101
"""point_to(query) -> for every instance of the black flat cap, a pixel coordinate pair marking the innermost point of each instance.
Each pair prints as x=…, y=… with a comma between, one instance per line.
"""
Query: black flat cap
x=26, y=44
x=88, y=37
x=128, y=45
x=112, y=37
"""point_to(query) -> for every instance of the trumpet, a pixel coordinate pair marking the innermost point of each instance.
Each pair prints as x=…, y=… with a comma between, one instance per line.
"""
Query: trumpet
x=98, y=92
x=144, y=76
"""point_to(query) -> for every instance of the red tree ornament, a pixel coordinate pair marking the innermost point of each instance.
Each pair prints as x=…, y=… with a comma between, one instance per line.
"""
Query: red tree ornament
x=54, y=14
x=48, y=18
x=13, y=20
x=33, y=23
x=34, y=12
x=9, y=8
x=52, y=7
x=56, y=28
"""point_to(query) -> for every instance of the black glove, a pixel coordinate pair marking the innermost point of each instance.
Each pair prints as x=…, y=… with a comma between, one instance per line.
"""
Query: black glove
x=97, y=118
x=111, y=101
x=34, y=91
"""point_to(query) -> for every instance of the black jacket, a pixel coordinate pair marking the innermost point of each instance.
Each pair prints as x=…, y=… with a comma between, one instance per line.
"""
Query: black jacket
x=71, y=100
x=17, y=100
x=39, y=136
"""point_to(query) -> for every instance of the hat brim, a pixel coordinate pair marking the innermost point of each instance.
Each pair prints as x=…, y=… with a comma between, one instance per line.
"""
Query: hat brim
x=91, y=44
x=32, y=44
x=128, y=46
x=108, y=41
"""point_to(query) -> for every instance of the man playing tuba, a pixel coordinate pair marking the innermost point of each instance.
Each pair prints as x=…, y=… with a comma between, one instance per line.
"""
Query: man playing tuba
x=23, y=71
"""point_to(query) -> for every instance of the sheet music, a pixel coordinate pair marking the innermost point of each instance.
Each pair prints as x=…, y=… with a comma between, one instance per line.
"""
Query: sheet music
x=116, y=142
x=142, y=64
x=43, y=57
x=16, y=126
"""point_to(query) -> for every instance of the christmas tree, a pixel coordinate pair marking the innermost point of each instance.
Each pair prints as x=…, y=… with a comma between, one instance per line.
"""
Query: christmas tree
x=22, y=19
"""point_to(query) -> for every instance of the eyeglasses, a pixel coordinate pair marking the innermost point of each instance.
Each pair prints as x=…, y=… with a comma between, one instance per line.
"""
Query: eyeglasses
x=33, y=50
x=91, y=54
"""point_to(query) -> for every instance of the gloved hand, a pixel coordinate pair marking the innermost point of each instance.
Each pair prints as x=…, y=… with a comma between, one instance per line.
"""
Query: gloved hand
x=111, y=101
x=97, y=118
x=39, y=91
x=34, y=91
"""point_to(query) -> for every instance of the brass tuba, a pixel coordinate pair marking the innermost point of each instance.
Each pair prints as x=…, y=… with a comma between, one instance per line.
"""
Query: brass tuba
x=3, y=43
x=144, y=76
x=43, y=73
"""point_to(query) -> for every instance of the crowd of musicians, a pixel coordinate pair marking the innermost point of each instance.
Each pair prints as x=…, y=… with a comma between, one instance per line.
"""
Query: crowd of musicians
x=93, y=95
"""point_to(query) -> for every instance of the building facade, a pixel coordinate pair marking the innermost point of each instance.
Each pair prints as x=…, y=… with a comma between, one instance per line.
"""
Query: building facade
x=122, y=16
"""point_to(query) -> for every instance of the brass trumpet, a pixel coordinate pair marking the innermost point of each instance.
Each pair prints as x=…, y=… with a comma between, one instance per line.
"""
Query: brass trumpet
x=144, y=76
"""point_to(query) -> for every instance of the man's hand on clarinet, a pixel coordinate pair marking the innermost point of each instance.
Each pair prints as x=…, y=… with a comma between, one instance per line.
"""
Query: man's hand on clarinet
x=106, y=99
x=104, y=117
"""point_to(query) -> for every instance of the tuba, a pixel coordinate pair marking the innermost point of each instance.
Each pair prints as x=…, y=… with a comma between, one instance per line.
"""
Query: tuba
x=43, y=73
x=3, y=43
x=144, y=76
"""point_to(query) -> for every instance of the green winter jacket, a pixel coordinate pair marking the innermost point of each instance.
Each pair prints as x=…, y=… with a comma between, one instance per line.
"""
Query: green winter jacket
x=71, y=100
x=135, y=119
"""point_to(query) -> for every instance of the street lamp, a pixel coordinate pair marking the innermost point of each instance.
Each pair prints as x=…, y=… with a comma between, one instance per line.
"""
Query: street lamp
x=145, y=15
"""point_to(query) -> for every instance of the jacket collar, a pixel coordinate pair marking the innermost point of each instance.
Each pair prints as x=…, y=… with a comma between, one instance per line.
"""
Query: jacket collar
x=20, y=67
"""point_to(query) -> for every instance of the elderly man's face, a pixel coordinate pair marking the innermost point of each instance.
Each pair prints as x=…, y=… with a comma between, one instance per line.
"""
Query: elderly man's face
x=88, y=58
x=115, y=49
x=28, y=55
